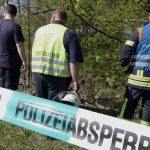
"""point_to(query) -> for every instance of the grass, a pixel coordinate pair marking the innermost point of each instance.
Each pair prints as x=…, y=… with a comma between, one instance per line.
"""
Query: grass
x=16, y=138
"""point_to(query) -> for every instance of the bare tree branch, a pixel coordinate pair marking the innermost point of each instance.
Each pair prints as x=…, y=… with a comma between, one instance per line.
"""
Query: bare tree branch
x=42, y=12
x=92, y=26
x=19, y=10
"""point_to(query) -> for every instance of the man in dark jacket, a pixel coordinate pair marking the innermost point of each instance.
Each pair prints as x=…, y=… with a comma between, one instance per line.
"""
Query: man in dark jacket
x=135, y=61
x=12, y=53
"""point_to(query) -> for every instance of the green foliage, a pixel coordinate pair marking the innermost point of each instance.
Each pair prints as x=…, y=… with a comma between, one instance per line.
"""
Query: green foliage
x=102, y=27
x=101, y=69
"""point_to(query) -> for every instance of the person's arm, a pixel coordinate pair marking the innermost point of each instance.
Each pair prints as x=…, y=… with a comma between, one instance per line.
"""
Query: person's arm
x=73, y=48
x=127, y=51
x=21, y=52
x=19, y=40
x=74, y=70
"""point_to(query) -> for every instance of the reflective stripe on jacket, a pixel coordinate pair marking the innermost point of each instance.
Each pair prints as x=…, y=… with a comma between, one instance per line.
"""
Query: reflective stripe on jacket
x=140, y=63
x=139, y=78
x=48, y=52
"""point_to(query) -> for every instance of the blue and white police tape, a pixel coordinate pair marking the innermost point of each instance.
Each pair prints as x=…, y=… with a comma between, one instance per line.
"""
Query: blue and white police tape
x=77, y=126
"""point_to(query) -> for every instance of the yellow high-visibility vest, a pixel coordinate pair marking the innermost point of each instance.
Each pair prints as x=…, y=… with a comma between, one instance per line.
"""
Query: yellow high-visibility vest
x=48, y=52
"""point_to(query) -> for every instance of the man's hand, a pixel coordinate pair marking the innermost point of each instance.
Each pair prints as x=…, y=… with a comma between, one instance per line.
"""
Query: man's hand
x=74, y=70
x=24, y=66
x=73, y=86
x=21, y=52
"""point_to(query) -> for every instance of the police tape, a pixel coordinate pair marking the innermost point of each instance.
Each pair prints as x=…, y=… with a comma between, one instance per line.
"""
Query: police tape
x=70, y=124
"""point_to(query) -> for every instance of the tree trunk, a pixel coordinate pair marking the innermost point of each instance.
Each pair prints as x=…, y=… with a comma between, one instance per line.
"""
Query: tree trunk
x=29, y=43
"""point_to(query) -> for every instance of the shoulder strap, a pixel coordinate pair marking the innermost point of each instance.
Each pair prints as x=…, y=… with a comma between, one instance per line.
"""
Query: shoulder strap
x=140, y=30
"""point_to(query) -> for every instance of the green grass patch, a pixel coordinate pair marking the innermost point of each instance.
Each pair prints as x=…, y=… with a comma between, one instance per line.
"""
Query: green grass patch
x=16, y=138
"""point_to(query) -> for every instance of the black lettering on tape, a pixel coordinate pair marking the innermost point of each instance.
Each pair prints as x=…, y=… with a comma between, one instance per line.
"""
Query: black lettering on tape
x=20, y=107
x=56, y=122
x=93, y=126
x=131, y=144
x=43, y=117
x=71, y=126
x=34, y=115
x=116, y=139
x=103, y=135
x=82, y=129
x=48, y=120
x=30, y=110
x=144, y=143
x=64, y=123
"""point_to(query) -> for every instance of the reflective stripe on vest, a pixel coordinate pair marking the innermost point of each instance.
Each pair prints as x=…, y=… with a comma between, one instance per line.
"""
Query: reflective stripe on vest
x=139, y=79
x=141, y=64
x=138, y=83
x=48, y=53
x=141, y=57
x=50, y=70
x=129, y=43
x=49, y=60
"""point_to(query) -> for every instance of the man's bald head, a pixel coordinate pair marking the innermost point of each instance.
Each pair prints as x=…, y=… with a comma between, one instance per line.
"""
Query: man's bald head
x=59, y=15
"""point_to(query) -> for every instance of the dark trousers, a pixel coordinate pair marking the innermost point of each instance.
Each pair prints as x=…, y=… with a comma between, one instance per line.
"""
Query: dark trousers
x=132, y=98
x=9, y=78
x=49, y=86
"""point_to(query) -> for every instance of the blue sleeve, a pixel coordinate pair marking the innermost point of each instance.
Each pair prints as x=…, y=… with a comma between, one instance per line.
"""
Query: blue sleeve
x=72, y=46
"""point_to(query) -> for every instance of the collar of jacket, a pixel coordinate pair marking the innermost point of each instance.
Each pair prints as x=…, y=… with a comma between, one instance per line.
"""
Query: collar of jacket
x=57, y=22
